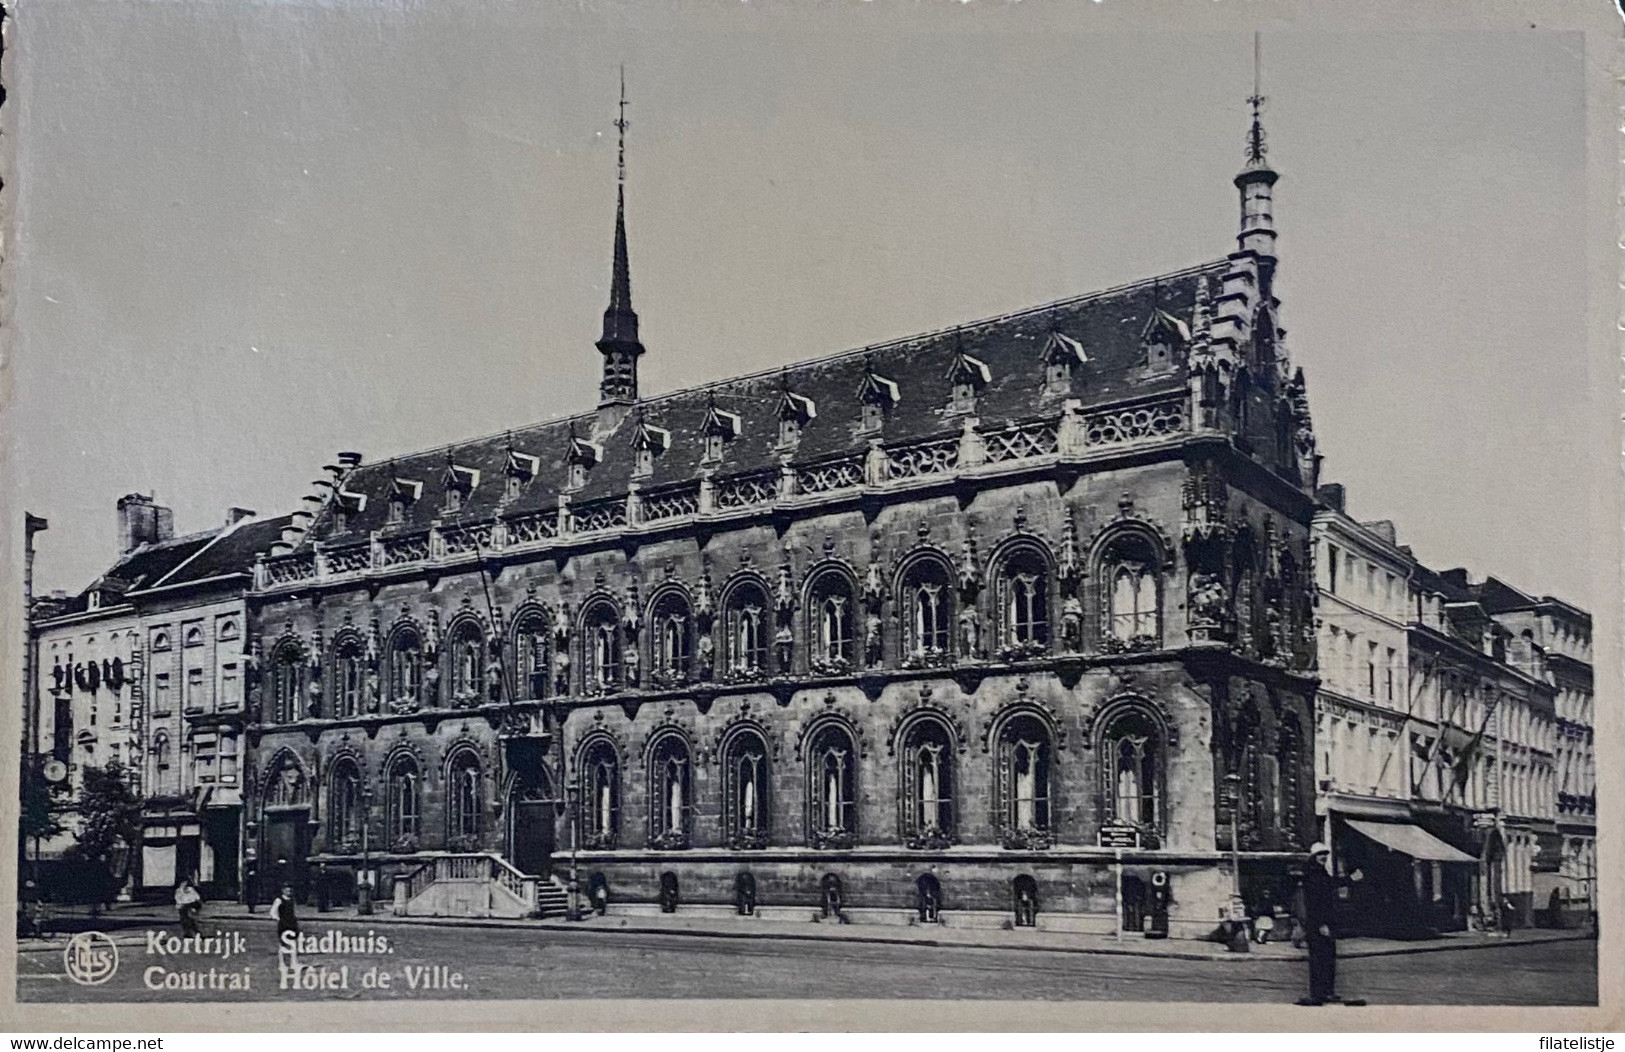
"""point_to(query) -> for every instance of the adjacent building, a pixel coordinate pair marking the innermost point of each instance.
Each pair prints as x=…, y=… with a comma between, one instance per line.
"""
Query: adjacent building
x=146, y=669
x=997, y=622
x=1439, y=737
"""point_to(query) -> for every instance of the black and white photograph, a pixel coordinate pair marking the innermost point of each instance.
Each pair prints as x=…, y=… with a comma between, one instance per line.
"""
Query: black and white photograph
x=1031, y=504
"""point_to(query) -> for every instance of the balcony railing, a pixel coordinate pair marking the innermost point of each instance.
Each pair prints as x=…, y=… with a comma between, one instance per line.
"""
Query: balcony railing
x=1073, y=434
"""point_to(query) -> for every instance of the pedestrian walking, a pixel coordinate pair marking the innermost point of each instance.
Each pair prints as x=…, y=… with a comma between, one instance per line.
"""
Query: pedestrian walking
x=1320, y=887
x=284, y=909
x=188, y=905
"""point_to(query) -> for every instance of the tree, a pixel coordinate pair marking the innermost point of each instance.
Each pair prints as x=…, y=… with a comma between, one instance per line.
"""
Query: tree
x=37, y=818
x=110, y=829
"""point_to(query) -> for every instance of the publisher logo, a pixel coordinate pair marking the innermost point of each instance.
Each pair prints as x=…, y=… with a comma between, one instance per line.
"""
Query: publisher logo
x=91, y=958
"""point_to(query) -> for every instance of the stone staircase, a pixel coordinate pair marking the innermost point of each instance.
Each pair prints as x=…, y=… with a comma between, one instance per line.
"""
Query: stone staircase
x=477, y=885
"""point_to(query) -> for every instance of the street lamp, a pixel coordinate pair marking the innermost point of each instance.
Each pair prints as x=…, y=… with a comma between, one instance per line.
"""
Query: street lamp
x=363, y=905
x=572, y=791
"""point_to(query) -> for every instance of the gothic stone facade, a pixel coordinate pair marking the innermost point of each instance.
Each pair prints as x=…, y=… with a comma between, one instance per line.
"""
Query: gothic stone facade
x=928, y=624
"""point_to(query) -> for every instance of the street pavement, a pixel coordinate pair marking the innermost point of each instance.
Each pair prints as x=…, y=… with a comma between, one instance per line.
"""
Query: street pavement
x=438, y=961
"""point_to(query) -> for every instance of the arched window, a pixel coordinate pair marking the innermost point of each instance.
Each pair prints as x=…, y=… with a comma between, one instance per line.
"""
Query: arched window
x=406, y=668
x=599, y=802
x=1132, y=769
x=349, y=677
x=404, y=785
x=1023, y=603
x=601, y=642
x=928, y=784
x=463, y=800
x=287, y=682
x=1132, y=591
x=1023, y=781
x=344, y=808
x=830, y=627
x=747, y=819
x=467, y=643
x=927, y=610
x=832, y=767
x=531, y=655
x=670, y=800
x=672, y=637
x=746, y=631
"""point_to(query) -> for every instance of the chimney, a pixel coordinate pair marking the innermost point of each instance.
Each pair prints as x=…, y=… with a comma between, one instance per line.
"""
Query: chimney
x=1383, y=528
x=1333, y=496
x=236, y=515
x=141, y=520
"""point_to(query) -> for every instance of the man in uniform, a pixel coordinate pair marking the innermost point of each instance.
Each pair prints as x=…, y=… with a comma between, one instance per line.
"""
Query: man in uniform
x=1320, y=887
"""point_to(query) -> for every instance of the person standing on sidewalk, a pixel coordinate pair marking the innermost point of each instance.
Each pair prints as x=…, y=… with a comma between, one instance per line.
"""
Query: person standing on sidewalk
x=1320, y=887
x=188, y=904
x=284, y=909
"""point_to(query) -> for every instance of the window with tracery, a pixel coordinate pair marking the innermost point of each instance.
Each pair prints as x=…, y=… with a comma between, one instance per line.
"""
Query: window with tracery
x=927, y=771
x=602, y=643
x=463, y=799
x=599, y=802
x=1133, y=770
x=832, y=787
x=833, y=609
x=746, y=817
x=1129, y=570
x=344, y=807
x=1023, y=787
x=928, y=612
x=404, y=785
x=672, y=638
x=406, y=667
x=1023, y=600
x=349, y=678
x=287, y=682
x=467, y=645
x=745, y=619
x=670, y=801
x=531, y=655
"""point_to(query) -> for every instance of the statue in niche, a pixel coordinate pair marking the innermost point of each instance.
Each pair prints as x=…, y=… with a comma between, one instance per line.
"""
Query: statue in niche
x=370, y=702
x=1207, y=599
x=970, y=632
x=784, y=642
x=629, y=662
x=706, y=656
x=1072, y=624
x=871, y=638
x=561, y=670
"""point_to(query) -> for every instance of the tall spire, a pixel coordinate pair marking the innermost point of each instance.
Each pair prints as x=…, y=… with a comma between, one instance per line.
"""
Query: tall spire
x=1257, y=178
x=619, y=342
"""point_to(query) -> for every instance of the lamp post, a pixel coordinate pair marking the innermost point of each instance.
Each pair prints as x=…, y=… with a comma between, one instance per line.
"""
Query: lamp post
x=572, y=790
x=363, y=905
x=1237, y=914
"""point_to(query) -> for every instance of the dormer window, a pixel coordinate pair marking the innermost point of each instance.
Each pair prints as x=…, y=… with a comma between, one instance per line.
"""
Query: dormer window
x=582, y=457
x=402, y=494
x=877, y=395
x=459, y=483
x=649, y=443
x=794, y=413
x=968, y=376
x=1063, y=358
x=720, y=428
x=519, y=470
x=346, y=506
x=1164, y=337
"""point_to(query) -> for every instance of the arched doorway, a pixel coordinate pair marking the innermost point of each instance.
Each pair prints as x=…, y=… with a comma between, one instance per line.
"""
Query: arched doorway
x=532, y=826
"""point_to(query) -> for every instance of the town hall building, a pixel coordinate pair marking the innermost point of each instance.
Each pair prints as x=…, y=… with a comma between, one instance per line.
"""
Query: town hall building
x=1008, y=622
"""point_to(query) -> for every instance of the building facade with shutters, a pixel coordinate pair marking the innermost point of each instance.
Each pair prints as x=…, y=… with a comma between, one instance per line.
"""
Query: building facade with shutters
x=147, y=668
x=999, y=619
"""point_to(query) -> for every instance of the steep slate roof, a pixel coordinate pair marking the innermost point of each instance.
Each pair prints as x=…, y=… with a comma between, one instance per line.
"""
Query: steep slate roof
x=150, y=563
x=1109, y=325
x=233, y=551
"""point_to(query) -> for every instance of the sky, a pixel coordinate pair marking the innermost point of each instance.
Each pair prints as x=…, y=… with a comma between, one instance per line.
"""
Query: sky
x=252, y=235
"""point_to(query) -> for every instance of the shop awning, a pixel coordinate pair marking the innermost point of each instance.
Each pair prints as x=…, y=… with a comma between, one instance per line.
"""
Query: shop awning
x=1410, y=840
